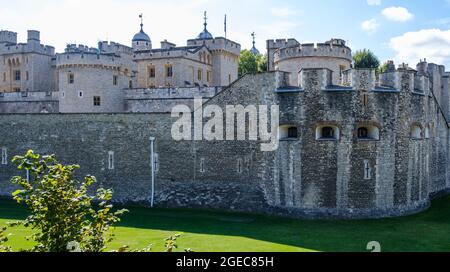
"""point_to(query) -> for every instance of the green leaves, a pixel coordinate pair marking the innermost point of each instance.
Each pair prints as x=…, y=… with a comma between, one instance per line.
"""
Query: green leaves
x=366, y=59
x=251, y=63
x=62, y=211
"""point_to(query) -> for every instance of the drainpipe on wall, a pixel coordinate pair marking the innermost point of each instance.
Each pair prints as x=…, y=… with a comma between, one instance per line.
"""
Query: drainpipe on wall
x=152, y=161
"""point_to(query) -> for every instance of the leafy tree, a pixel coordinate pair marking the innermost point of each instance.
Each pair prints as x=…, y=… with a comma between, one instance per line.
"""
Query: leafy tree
x=383, y=68
x=366, y=59
x=251, y=63
x=62, y=212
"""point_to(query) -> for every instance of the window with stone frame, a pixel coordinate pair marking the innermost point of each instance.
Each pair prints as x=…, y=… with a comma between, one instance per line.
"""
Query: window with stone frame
x=151, y=72
x=199, y=74
x=202, y=166
x=71, y=78
x=17, y=75
x=240, y=166
x=169, y=71
x=367, y=170
x=111, y=160
x=4, y=156
x=27, y=75
x=364, y=99
x=97, y=101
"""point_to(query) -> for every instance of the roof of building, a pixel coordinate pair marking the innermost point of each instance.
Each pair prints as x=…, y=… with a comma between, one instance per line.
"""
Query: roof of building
x=205, y=35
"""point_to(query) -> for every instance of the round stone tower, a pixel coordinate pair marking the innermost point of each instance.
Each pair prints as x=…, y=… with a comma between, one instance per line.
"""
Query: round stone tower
x=291, y=56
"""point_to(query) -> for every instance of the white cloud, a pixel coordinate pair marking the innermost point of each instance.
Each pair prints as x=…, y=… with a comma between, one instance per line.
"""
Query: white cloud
x=397, y=14
x=370, y=26
x=374, y=2
x=283, y=12
x=432, y=44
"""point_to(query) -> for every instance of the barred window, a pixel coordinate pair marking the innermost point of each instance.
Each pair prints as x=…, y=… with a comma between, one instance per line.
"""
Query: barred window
x=97, y=101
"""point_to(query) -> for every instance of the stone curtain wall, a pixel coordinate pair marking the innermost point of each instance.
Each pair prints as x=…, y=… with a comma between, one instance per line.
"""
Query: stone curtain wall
x=86, y=139
x=304, y=177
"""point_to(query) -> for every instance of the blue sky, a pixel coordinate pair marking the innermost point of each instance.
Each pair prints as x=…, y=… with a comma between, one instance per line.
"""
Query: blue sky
x=393, y=29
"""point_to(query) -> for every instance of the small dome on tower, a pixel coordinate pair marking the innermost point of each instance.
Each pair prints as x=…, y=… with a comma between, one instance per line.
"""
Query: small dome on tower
x=205, y=35
x=254, y=51
x=141, y=37
x=141, y=41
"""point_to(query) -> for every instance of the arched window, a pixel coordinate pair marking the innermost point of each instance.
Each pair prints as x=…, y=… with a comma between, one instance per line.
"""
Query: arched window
x=288, y=132
x=369, y=133
x=327, y=132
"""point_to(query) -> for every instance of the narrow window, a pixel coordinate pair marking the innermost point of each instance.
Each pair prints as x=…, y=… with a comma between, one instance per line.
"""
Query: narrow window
x=208, y=76
x=115, y=79
x=17, y=75
x=200, y=74
x=202, y=165
x=97, y=101
x=27, y=75
x=80, y=94
x=4, y=156
x=367, y=170
x=365, y=99
x=229, y=79
x=111, y=160
x=70, y=78
x=169, y=71
x=130, y=84
x=151, y=72
x=4, y=77
x=239, y=166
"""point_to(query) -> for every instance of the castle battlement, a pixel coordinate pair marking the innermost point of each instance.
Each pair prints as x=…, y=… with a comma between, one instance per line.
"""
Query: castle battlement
x=8, y=37
x=219, y=43
x=96, y=60
x=9, y=45
x=176, y=52
x=314, y=50
x=365, y=80
x=282, y=43
x=23, y=48
x=113, y=47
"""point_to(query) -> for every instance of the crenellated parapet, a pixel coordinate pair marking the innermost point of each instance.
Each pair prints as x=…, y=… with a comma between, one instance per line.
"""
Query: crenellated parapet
x=9, y=45
x=88, y=59
x=313, y=50
x=405, y=80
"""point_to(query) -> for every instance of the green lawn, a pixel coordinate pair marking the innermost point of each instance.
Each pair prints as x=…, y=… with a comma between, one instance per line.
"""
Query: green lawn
x=206, y=231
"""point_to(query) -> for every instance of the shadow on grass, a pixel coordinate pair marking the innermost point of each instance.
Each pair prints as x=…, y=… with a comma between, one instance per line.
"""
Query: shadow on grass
x=428, y=231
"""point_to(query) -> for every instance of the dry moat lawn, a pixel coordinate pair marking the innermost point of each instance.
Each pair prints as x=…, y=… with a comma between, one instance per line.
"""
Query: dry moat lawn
x=205, y=231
